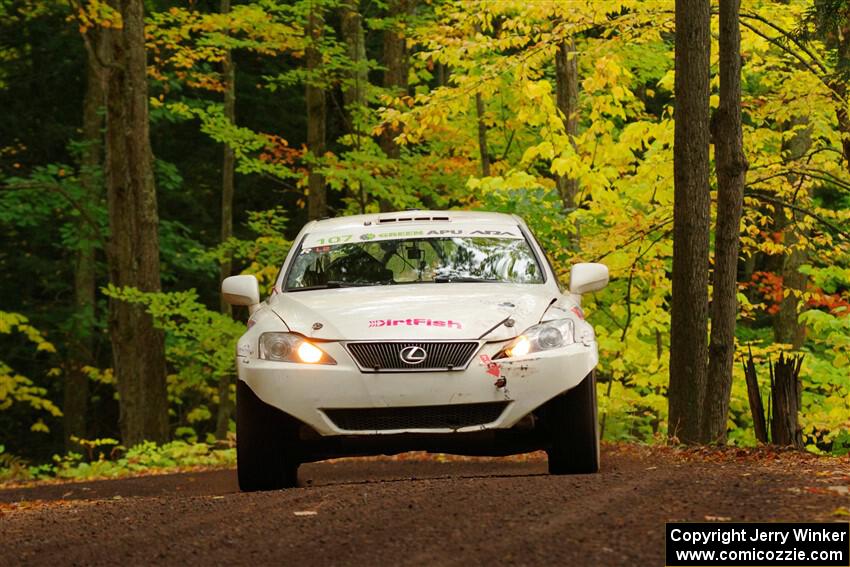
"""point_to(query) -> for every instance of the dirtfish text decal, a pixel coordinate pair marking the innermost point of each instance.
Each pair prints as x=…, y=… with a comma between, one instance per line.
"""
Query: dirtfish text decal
x=416, y=323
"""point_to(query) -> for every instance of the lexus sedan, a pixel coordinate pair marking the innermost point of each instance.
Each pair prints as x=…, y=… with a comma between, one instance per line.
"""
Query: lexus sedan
x=440, y=331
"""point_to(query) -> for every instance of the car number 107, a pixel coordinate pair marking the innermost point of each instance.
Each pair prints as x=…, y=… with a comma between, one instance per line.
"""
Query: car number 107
x=335, y=239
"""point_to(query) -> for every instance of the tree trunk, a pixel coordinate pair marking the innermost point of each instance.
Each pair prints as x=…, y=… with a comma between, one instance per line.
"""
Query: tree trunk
x=787, y=329
x=354, y=94
x=137, y=346
x=731, y=164
x=81, y=353
x=482, y=136
x=317, y=199
x=691, y=212
x=844, y=128
x=228, y=73
x=566, y=86
x=839, y=86
x=442, y=75
x=395, y=75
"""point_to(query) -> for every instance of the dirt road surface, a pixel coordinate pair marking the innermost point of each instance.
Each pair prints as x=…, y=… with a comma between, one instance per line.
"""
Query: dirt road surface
x=418, y=512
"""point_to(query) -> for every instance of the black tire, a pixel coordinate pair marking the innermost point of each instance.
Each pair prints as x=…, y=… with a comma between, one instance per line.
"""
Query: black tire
x=574, y=430
x=266, y=444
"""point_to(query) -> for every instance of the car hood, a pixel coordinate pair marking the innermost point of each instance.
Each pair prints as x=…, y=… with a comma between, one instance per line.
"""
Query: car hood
x=428, y=311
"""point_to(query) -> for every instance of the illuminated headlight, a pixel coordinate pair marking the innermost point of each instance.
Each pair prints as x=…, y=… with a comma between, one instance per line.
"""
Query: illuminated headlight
x=545, y=336
x=287, y=347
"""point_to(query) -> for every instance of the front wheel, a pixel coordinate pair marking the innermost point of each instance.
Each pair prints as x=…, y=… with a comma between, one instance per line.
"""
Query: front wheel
x=265, y=444
x=575, y=430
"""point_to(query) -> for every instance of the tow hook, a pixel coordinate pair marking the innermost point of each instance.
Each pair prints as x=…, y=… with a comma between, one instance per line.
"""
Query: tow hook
x=502, y=384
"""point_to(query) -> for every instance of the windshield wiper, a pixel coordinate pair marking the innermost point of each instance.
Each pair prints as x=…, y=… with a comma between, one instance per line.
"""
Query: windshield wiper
x=334, y=284
x=453, y=279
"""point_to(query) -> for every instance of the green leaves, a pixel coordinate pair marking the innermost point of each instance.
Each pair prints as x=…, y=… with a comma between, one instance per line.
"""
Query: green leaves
x=106, y=458
x=18, y=389
x=199, y=346
x=619, y=158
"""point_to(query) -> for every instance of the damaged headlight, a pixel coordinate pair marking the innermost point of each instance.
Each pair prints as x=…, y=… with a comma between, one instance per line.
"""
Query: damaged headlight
x=543, y=336
x=288, y=347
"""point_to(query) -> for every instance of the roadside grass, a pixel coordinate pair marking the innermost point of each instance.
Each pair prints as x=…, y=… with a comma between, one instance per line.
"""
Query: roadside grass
x=106, y=459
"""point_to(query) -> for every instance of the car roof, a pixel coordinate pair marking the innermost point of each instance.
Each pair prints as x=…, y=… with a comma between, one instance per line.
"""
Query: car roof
x=404, y=218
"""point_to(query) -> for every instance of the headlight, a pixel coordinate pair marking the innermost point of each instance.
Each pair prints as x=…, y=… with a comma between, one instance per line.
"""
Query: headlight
x=544, y=336
x=287, y=347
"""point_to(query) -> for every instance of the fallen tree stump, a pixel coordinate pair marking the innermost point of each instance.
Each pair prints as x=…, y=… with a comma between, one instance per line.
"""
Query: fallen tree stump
x=784, y=401
x=754, y=395
x=786, y=393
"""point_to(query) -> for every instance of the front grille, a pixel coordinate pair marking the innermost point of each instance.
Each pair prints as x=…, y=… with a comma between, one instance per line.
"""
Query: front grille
x=452, y=416
x=386, y=356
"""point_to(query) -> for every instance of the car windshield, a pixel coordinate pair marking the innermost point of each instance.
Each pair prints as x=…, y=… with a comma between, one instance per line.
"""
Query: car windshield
x=407, y=261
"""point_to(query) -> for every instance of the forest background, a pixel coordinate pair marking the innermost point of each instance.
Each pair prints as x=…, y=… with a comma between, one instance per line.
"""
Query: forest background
x=264, y=114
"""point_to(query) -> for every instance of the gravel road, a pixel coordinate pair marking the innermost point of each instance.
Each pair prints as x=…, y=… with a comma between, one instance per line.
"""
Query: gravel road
x=418, y=511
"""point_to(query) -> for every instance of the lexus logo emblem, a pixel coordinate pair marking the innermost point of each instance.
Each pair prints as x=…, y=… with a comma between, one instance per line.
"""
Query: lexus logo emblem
x=413, y=355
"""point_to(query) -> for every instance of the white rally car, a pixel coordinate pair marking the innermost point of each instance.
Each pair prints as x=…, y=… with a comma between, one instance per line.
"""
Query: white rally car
x=423, y=330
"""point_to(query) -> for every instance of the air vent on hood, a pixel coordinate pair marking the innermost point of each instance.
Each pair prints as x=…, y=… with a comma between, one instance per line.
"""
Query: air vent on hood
x=412, y=219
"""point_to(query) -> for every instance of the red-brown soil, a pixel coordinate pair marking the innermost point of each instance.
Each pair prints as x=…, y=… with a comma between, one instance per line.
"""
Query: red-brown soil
x=419, y=511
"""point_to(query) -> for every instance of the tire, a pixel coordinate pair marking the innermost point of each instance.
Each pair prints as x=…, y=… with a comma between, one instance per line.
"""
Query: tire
x=575, y=430
x=266, y=444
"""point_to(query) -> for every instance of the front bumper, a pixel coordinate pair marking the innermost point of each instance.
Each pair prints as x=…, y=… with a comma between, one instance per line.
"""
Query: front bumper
x=304, y=391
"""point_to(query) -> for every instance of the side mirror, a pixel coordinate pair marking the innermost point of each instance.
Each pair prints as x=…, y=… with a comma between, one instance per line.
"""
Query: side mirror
x=585, y=278
x=241, y=290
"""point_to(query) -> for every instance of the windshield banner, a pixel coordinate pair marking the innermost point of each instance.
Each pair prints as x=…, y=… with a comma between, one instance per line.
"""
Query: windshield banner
x=351, y=237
